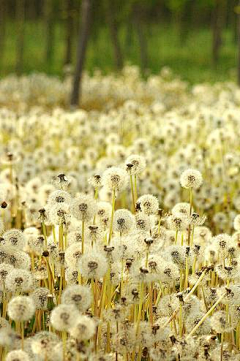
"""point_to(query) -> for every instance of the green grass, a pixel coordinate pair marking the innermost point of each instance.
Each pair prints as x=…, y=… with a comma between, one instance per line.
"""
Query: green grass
x=191, y=60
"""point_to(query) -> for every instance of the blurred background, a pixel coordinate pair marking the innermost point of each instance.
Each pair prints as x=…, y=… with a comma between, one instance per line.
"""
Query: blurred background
x=197, y=39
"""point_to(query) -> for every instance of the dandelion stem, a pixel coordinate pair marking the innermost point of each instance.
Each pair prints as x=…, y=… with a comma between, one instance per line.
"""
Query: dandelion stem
x=132, y=191
x=205, y=316
x=83, y=230
x=112, y=215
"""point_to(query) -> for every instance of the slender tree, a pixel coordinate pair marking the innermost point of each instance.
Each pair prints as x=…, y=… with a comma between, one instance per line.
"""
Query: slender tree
x=49, y=32
x=20, y=17
x=238, y=41
x=217, y=25
x=138, y=21
x=2, y=29
x=113, y=27
x=84, y=32
x=69, y=30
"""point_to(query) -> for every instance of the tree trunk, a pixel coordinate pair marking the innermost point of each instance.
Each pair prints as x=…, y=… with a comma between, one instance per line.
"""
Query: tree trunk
x=113, y=27
x=69, y=31
x=129, y=34
x=218, y=19
x=2, y=30
x=20, y=17
x=84, y=32
x=49, y=32
x=137, y=13
x=234, y=17
x=238, y=41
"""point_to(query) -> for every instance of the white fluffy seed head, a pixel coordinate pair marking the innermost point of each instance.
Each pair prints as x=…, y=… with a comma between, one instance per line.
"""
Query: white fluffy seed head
x=21, y=308
x=191, y=178
x=4, y=324
x=93, y=265
x=19, y=280
x=123, y=221
x=115, y=179
x=182, y=207
x=135, y=164
x=43, y=342
x=236, y=223
x=15, y=238
x=63, y=317
x=83, y=207
x=148, y=204
x=78, y=295
x=17, y=355
x=40, y=298
x=59, y=213
x=5, y=269
x=59, y=196
x=178, y=222
x=84, y=328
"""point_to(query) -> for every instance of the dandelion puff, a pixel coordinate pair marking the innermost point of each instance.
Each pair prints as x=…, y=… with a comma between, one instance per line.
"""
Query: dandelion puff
x=231, y=294
x=83, y=207
x=236, y=223
x=196, y=220
x=21, y=308
x=1, y=226
x=17, y=355
x=59, y=214
x=4, y=324
x=167, y=305
x=95, y=180
x=40, y=298
x=104, y=209
x=9, y=338
x=123, y=221
x=191, y=178
x=124, y=248
x=74, y=236
x=63, y=317
x=115, y=179
x=221, y=243
x=19, y=259
x=148, y=204
x=15, y=238
x=178, y=222
x=43, y=342
x=190, y=306
x=220, y=322
x=59, y=196
x=37, y=244
x=71, y=275
x=182, y=207
x=203, y=233
x=137, y=162
x=177, y=254
x=61, y=181
x=142, y=222
x=5, y=269
x=211, y=294
x=78, y=295
x=73, y=254
x=93, y=265
x=169, y=273
x=94, y=234
x=19, y=280
x=227, y=272
x=193, y=319
x=84, y=328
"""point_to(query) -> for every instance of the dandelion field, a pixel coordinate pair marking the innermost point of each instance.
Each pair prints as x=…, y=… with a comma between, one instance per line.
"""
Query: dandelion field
x=120, y=221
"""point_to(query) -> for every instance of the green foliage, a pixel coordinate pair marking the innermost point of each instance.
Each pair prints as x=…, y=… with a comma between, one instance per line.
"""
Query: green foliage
x=191, y=60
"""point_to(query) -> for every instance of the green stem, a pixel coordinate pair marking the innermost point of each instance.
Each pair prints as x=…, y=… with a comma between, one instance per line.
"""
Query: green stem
x=112, y=215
